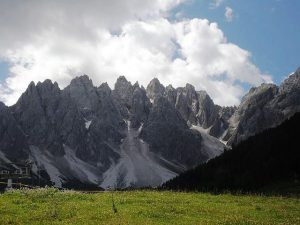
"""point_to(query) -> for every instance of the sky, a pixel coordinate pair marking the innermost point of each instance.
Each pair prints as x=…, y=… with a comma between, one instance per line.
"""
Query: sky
x=221, y=46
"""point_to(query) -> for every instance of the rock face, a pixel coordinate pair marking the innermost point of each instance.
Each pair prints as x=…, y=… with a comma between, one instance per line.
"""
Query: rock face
x=168, y=135
x=77, y=125
x=132, y=101
x=36, y=111
x=221, y=124
x=250, y=117
x=155, y=89
x=264, y=107
x=13, y=143
x=195, y=107
x=130, y=136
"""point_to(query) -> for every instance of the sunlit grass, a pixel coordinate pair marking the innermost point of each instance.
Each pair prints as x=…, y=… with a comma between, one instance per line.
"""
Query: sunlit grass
x=50, y=206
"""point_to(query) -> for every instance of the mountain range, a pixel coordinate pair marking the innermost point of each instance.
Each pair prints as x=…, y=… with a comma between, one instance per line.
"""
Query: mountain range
x=131, y=136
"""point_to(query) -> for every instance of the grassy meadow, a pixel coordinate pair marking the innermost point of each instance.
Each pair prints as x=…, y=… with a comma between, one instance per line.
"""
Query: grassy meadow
x=51, y=206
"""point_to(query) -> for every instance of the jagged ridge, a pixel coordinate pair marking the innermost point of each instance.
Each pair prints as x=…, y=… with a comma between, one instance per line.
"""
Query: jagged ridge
x=85, y=133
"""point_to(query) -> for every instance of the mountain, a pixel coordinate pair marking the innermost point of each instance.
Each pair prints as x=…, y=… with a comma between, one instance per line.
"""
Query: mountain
x=131, y=136
x=268, y=161
x=263, y=107
x=97, y=136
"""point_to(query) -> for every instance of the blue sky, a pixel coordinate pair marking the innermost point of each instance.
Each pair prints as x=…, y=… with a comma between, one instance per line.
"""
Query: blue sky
x=269, y=29
x=170, y=40
x=3, y=70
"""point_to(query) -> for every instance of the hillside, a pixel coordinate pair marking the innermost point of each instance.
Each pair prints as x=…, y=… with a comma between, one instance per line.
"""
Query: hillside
x=265, y=162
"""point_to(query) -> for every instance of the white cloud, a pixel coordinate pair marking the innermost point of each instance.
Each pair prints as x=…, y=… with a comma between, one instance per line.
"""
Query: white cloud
x=24, y=21
x=229, y=14
x=193, y=51
x=215, y=3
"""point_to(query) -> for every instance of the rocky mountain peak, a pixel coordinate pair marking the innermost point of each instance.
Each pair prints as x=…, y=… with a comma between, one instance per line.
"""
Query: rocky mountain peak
x=47, y=83
x=189, y=87
x=122, y=79
x=122, y=82
x=203, y=94
x=170, y=87
x=42, y=93
x=31, y=85
x=123, y=89
x=31, y=90
x=291, y=84
x=207, y=113
x=82, y=91
x=104, y=89
x=82, y=80
x=171, y=94
x=136, y=85
x=155, y=88
x=257, y=91
x=48, y=89
x=262, y=93
x=256, y=112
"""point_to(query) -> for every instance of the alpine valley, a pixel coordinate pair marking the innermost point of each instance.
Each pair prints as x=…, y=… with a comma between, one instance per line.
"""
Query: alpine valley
x=87, y=136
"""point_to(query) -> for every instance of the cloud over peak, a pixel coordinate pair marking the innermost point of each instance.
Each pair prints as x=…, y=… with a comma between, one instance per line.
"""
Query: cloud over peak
x=140, y=43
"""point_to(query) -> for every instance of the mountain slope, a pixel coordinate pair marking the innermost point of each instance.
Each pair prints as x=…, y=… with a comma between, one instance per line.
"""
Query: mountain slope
x=131, y=136
x=265, y=159
x=97, y=136
x=264, y=107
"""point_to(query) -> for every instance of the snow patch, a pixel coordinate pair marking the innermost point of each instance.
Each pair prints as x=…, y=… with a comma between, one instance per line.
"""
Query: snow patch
x=140, y=128
x=88, y=124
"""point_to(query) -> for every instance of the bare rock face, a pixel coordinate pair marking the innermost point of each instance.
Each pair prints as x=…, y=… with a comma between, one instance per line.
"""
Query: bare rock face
x=250, y=116
x=264, y=107
x=83, y=92
x=132, y=101
x=101, y=123
x=36, y=111
x=221, y=124
x=168, y=135
x=288, y=100
x=140, y=106
x=207, y=113
x=155, y=89
x=130, y=136
x=13, y=141
x=187, y=103
x=123, y=91
x=79, y=123
x=171, y=94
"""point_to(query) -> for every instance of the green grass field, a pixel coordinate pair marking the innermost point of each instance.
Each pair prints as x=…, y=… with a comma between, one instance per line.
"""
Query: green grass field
x=50, y=206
